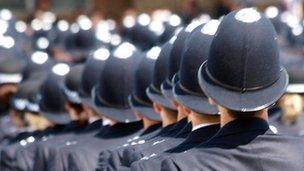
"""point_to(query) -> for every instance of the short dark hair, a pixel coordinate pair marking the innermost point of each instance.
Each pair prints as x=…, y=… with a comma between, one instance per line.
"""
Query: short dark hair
x=78, y=107
x=240, y=114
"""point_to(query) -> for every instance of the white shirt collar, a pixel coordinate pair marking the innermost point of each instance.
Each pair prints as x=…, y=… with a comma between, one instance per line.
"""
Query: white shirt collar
x=202, y=125
x=106, y=122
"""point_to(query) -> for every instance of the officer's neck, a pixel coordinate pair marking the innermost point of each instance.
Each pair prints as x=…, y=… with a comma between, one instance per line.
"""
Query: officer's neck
x=198, y=119
x=168, y=118
x=181, y=115
x=148, y=122
x=228, y=115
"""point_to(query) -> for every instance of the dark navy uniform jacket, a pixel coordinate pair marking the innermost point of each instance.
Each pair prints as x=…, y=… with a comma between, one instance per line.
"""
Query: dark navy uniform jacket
x=59, y=159
x=114, y=160
x=157, y=148
x=243, y=144
x=85, y=157
x=9, y=133
x=55, y=159
x=195, y=138
x=116, y=155
x=25, y=158
x=42, y=153
x=9, y=153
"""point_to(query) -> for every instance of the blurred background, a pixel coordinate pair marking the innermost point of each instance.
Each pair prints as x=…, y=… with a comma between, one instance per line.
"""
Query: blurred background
x=69, y=9
x=69, y=30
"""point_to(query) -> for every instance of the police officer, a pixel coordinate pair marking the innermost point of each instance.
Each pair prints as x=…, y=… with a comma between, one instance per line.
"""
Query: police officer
x=78, y=117
x=171, y=126
x=89, y=77
x=10, y=75
x=178, y=45
x=203, y=116
x=142, y=106
x=51, y=105
x=253, y=80
x=32, y=130
x=38, y=66
x=110, y=97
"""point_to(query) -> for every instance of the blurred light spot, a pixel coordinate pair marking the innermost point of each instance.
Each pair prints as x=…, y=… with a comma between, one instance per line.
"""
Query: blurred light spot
x=144, y=19
x=39, y=57
x=7, y=42
x=63, y=25
x=272, y=12
x=75, y=28
x=101, y=54
x=157, y=27
x=36, y=24
x=115, y=39
x=6, y=14
x=211, y=27
x=153, y=53
x=84, y=22
x=20, y=26
x=192, y=26
x=61, y=69
x=129, y=21
x=4, y=26
x=175, y=20
x=125, y=50
x=248, y=15
x=43, y=43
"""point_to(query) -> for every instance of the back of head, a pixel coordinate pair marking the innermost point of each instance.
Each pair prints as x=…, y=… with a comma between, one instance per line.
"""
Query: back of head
x=115, y=84
x=246, y=75
x=187, y=90
x=118, y=75
x=72, y=84
x=26, y=91
x=51, y=97
x=11, y=68
x=159, y=75
x=139, y=100
x=92, y=70
x=38, y=65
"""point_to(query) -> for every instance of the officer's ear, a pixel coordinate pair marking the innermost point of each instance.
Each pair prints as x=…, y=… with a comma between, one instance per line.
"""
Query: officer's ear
x=157, y=107
x=211, y=101
x=187, y=110
x=175, y=104
x=8, y=89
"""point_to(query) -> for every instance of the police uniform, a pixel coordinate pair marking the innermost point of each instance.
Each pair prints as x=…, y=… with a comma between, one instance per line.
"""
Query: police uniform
x=194, y=138
x=186, y=91
x=11, y=67
x=113, y=159
x=89, y=78
x=19, y=103
x=51, y=107
x=114, y=105
x=69, y=88
x=246, y=143
x=243, y=145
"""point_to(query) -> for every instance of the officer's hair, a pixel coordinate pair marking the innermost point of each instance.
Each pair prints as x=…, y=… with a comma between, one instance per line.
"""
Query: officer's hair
x=169, y=110
x=77, y=107
x=239, y=114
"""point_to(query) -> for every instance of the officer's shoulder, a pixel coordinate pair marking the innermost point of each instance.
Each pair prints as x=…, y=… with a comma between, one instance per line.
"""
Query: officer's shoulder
x=194, y=159
x=142, y=165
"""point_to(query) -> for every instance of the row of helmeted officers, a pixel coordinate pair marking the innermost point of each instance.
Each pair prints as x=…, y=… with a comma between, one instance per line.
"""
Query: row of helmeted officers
x=213, y=97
